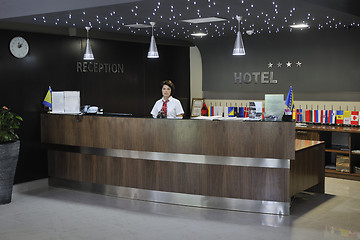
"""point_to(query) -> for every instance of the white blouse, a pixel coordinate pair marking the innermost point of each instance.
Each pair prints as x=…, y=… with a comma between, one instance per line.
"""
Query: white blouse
x=174, y=107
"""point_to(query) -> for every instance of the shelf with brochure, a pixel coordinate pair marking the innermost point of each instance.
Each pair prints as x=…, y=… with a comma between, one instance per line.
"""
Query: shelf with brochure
x=342, y=147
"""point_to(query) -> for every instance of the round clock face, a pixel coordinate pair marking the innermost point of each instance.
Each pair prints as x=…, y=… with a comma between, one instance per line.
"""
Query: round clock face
x=19, y=47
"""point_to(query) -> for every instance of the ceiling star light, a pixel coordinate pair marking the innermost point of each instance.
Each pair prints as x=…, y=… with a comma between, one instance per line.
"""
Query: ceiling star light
x=301, y=25
x=153, y=52
x=88, y=55
x=198, y=34
x=239, y=44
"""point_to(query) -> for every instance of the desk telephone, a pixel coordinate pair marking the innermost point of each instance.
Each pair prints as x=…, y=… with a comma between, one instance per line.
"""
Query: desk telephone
x=89, y=109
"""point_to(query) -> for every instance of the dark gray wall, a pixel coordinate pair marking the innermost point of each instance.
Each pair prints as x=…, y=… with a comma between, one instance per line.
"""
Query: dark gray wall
x=330, y=69
x=52, y=60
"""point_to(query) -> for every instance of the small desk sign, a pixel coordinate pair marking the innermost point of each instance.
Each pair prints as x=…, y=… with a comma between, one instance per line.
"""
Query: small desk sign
x=196, y=106
x=274, y=107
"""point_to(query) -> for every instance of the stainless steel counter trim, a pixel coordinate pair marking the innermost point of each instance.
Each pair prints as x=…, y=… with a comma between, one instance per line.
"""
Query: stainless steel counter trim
x=190, y=158
x=271, y=207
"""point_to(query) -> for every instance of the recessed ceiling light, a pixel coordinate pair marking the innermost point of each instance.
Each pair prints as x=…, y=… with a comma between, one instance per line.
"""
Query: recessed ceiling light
x=138, y=25
x=204, y=20
x=198, y=34
x=301, y=25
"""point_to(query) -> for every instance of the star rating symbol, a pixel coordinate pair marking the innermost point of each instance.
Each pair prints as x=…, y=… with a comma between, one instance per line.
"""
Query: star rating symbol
x=270, y=65
x=298, y=64
x=279, y=64
x=288, y=64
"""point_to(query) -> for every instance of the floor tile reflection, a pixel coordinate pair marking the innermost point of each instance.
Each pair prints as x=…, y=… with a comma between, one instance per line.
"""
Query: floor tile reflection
x=54, y=213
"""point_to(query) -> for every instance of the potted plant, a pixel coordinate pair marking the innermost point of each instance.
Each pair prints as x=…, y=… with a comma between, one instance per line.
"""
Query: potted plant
x=9, y=152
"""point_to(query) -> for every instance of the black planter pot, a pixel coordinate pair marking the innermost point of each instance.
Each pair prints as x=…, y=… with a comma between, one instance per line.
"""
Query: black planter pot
x=9, y=154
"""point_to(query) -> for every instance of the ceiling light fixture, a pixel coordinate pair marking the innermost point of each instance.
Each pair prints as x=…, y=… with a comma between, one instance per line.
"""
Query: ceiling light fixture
x=301, y=25
x=88, y=55
x=138, y=25
x=204, y=20
x=239, y=44
x=200, y=34
x=153, y=52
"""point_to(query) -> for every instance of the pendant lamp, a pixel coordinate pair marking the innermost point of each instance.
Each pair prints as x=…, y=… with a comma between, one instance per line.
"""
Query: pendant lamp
x=239, y=45
x=88, y=55
x=153, y=52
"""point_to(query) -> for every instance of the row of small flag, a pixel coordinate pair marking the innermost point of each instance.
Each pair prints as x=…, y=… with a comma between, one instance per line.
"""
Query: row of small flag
x=228, y=111
x=299, y=115
x=326, y=116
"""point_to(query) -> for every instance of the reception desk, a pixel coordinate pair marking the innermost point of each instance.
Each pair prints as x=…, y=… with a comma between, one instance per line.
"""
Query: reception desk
x=244, y=166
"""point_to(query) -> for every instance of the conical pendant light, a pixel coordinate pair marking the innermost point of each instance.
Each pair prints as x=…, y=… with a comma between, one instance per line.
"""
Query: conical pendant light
x=239, y=45
x=153, y=52
x=88, y=55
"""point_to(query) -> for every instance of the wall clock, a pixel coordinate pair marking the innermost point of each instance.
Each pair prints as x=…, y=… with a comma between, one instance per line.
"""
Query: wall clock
x=19, y=47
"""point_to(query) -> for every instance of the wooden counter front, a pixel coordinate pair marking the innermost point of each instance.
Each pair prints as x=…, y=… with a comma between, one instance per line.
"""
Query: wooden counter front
x=220, y=138
x=110, y=151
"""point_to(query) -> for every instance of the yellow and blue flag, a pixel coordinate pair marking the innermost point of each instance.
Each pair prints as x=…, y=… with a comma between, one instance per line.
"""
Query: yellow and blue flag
x=47, y=100
x=231, y=112
x=290, y=99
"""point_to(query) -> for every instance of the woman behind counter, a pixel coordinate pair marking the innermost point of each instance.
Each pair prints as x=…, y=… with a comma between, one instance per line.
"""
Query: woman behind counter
x=167, y=106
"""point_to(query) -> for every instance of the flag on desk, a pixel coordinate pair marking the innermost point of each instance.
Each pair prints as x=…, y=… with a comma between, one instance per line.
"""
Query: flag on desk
x=339, y=117
x=290, y=99
x=263, y=113
x=231, y=112
x=226, y=111
x=204, y=110
x=294, y=114
x=241, y=112
x=47, y=100
x=299, y=115
x=219, y=110
x=236, y=110
x=308, y=116
x=323, y=116
x=313, y=116
x=331, y=117
x=318, y=116
x=246, y=112
x=354, y=117
x=211, y=111
x=347, y=117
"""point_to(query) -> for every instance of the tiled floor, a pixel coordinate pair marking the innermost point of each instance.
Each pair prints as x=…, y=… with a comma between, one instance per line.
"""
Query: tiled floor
x=52, y=213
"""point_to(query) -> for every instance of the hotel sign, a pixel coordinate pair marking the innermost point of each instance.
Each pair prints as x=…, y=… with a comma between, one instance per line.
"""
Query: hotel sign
x=96, y=67
x=254, y=77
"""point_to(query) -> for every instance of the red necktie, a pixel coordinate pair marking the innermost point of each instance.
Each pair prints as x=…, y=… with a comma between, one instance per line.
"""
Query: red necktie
x=164, y=107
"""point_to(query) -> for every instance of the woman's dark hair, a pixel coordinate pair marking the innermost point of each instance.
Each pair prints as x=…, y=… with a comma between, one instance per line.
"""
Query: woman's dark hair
x=170, y=84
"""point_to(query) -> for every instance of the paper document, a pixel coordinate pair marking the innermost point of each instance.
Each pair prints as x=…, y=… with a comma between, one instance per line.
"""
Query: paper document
x=66, y=102
x=58, y=102
x=72, y=101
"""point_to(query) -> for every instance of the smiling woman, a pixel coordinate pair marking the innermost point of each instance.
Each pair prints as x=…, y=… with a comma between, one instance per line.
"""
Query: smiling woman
x=167, y=106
